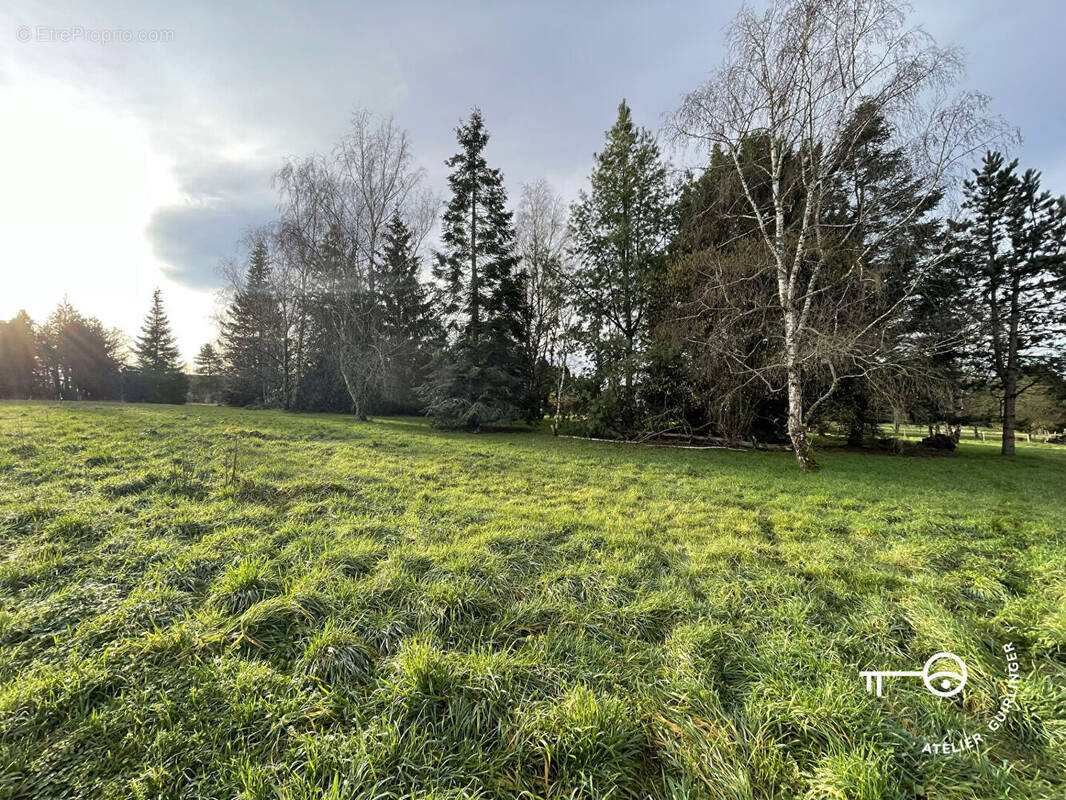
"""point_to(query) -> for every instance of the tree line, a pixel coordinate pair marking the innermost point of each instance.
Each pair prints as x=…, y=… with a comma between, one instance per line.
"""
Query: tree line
x=74, y=357
x=829, y=263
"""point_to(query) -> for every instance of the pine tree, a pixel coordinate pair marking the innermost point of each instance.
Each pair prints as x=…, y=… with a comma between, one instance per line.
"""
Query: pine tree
x=1010, y=253
x=619, y=230
x=480, y=378
x=158, y=360
x=249, y=336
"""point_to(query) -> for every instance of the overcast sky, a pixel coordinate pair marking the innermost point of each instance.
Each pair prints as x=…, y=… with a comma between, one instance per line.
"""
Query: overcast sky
x=127, y=165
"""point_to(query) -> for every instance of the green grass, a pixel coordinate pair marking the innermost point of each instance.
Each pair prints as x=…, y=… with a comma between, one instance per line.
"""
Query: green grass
x=383, y=610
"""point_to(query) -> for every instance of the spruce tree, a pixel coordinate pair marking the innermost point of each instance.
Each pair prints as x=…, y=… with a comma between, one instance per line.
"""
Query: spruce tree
x=409, y=329
x=206, y=385
x=480, y=378
x=619, y=229
x=249, y=336
x=208, y=362
x=157, y=358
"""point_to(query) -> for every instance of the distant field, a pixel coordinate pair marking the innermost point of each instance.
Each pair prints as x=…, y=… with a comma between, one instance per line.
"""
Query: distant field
x=383, y=610
x=983, y=434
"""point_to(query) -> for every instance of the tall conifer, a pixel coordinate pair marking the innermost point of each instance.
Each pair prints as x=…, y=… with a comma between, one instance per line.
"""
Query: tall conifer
x=480, y=378
x=250, y=335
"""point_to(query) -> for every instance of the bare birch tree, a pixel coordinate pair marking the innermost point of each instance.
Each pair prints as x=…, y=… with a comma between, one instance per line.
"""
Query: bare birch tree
x=335, y=211
x=795, y=77
x=541, y=225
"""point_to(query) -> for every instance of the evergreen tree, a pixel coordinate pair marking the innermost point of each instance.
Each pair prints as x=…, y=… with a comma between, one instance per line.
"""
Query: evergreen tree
x=18, y=357
x=208, y=362
x=158, y=363
x=619, y=229
x=79, y=358
x=1010, y=257
x=249, y=336
x=409, y=329
x=206, y=385
x=479, y=379
x=899, y=281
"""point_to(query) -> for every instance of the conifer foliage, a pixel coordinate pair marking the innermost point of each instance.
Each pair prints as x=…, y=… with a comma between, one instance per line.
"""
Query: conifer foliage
x=409, y=327
x=249, y=336
x=1010, y=257
x=159, y=376
x=479, y=379
x=619, y=229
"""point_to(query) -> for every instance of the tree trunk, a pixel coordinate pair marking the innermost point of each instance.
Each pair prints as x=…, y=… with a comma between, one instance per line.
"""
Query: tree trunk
x=855, y=432
x=797, y=430
x=1010, y=398
x=797, y=427
x=475, y=298
x=558, y=402
x=1010, y=382
x=355, y=395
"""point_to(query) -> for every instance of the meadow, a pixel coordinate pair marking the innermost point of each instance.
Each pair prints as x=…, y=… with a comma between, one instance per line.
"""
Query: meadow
x=214, y=603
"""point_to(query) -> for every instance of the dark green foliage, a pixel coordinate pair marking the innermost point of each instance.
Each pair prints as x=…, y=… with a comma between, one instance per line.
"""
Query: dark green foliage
x=478, y=379
x=619, y=230
x=410, y=331
x=206, y=384
x=701, y=365
x=250, y=337
x=18, y=357
x=717, y=354
x=159, y=377
x=1010, y=259
x=70, y=357
x=78, y=357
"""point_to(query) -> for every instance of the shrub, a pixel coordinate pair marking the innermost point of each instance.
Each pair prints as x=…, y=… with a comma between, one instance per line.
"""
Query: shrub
x=939, y=441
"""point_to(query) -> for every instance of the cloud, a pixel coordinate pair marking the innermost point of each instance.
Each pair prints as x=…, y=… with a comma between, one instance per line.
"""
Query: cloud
x=214, y=110
x=225, y=198
x=192, y=240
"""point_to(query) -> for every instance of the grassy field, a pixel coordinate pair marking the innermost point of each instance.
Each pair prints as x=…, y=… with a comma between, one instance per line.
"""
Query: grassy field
x=383, y=610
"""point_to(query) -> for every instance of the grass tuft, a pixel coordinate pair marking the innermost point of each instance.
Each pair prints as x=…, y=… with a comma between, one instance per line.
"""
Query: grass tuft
x=338, y=659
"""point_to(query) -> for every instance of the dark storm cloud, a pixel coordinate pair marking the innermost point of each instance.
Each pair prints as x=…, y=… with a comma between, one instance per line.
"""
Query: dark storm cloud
x=192, y=241
x=227, y=198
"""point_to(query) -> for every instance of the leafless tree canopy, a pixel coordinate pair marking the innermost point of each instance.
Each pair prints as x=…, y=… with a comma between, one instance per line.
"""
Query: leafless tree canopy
x=334, y=211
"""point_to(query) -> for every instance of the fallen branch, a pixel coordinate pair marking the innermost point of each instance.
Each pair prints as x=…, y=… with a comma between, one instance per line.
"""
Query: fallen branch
x=722, y=444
